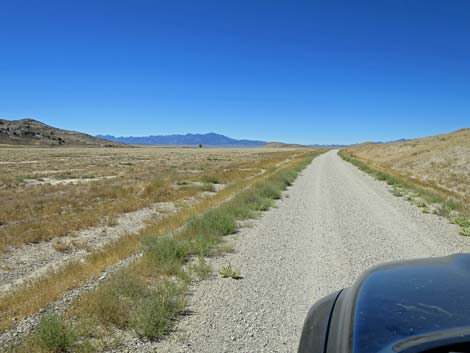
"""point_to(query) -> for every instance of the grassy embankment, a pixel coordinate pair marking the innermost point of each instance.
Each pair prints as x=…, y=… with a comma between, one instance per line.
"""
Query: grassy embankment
x=145, y=297
x=429, y=197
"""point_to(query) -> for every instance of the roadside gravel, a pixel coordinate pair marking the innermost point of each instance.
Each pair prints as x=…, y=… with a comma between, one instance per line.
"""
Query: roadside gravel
x=332, y=224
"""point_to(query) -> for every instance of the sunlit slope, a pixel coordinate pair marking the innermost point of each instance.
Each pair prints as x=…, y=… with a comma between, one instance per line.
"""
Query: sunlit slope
x=442, y=160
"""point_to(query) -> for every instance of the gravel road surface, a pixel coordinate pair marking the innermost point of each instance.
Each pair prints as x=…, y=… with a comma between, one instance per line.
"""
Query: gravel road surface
x=333, y=223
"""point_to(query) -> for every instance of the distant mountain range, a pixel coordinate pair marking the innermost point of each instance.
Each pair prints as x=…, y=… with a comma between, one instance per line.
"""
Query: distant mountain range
x=210, y=139
x=400, y=140
x=327, y=146
x=33, y=132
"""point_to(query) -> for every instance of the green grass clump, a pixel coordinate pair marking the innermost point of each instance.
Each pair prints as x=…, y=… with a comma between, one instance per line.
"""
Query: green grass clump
x=203, y=244
x=218, y=221
x=448, y=207
x=204, y=232
x=396, y=192
x=229, y=272
x=390, y=180
x=420, y=203
x=166, y=255
x=452, y=204
x=288, y=177
x=210, y=179
x=269, y=191
x=126, y=302
x=88, y=176
x=156, y=312
x=114, y=301
x=465, y=231
x=208, y=187
x=255, y=202
x=201, y=269
x=239, y=208
x=54, y=335
x=462, y=221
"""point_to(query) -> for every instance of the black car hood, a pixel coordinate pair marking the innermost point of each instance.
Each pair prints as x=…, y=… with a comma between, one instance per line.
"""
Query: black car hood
x=397, y=303
x=407, y=306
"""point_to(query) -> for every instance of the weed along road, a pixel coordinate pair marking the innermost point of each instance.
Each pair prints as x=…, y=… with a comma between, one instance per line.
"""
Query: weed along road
x=332, y=224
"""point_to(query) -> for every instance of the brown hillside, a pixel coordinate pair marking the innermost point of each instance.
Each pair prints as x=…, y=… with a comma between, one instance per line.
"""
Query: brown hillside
x=282, y=145
x=33, y=132
x=441, y=160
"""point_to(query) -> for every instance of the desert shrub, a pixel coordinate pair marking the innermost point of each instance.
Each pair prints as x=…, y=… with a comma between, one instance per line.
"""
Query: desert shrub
x=446, y=207
x=201, y=269
x=420, y=203
x=452, y=204
x=390, y=180
x=465, y=231
x=269, y=190
x=208, y=187
x=287, y=177
x=257, y=202
x=381, y=176
x=203, y=232
x=54, y=335
x=115, y=300
x=396, y=192
x=211, y=179
x=155, y=314
x=166, y=255
x=462, y=221
x=219, y=221
x=88, y=176
x=202, y=244
x=153, y=187
x=240, y=208
x=61, y=245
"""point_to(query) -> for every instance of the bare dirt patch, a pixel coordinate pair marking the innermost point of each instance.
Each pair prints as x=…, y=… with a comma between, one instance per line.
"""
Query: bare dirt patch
x=30, y=261
x=73, y=181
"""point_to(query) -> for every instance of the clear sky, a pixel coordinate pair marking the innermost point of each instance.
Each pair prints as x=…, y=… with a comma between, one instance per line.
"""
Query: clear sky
x=296, y=71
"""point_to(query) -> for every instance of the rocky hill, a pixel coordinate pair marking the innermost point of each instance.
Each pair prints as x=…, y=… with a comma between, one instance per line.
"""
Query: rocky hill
x=33, y=132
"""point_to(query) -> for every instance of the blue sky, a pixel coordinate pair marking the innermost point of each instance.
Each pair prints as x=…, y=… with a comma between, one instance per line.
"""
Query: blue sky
x=295, y=71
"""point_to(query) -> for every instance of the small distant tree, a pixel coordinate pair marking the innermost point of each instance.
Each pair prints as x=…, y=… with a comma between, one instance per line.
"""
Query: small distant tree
x=200, y=145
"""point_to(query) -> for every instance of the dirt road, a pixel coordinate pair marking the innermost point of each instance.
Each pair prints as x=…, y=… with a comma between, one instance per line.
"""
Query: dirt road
x=335, y=222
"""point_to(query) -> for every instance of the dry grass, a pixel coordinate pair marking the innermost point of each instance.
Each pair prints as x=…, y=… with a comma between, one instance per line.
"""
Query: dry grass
x=237, y=168
x=36, y=206
x=440, y=162
x=432, y=172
